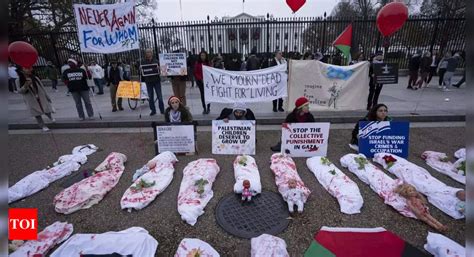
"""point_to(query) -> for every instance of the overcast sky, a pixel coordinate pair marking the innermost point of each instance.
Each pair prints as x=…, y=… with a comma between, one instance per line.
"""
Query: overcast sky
x=168, y=10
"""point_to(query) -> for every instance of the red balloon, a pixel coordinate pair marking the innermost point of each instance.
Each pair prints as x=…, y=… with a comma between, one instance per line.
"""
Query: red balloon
x=391, y=18
x=23, y=54
x=295, y=5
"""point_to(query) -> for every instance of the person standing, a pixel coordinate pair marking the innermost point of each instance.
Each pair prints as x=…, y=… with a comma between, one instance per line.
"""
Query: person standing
x=198, y=75
x=97, y=76
x=76, y=80
x=234, y=64
x=253, y=62
x=413, y=68
x=433, y=66
x=190, y=63
x=374, y=88
x=52, y=74
x=178, y=83
x=277, y=60
x=115, y=75
x=424, y=70
x=443, y=64
x=12, y=78
x=153, y=82
x=450, y=69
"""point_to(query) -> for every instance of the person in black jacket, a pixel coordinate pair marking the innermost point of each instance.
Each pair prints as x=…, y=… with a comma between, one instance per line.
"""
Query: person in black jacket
x=377, y=113
x=234, y=63
x=176, y=111
x=115, y=75
x=274, y=62
x=413, y=67
x=76, y=80
x=238, y=112
x=299, y=114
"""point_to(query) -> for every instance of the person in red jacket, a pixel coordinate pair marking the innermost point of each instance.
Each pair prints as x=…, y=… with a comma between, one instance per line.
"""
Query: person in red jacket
x=203, y=60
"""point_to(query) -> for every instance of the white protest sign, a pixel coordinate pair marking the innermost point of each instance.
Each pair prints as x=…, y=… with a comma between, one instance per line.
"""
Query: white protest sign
x=173, y=64
x=176, y=139
x=329, y=87
x=107, y=28
x=233, y=137
x=305, y=139
x=221, y=86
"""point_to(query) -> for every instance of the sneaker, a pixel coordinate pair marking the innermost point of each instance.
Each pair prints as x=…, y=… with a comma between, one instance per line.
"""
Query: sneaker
x=456, y=85
x=204, y=112
x=53, y=120
x=45, y=129
x=354, y=147
x=445, y=89
x=16, y=92
x=82, y=119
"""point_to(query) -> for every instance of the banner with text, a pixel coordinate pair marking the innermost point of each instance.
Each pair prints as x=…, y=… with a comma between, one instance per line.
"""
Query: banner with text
x=384, y=137
x=305, y=139
x=176, y=139
x=107, y=28
x=233, y=137
x=173, y=64
x=329, y=87
x=222, y=86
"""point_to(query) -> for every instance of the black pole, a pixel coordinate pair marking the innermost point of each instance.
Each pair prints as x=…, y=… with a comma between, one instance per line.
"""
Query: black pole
x=53, y=42
x=324, y=34
x=268, y=34
x=154, y=38
x=211, y=50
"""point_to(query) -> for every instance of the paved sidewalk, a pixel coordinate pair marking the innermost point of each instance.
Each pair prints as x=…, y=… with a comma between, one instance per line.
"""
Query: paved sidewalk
x=429, y=104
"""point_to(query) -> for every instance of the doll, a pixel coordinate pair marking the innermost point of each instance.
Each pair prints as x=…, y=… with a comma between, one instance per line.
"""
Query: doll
x=417, y=204
x=246, y=193
x=294, y=196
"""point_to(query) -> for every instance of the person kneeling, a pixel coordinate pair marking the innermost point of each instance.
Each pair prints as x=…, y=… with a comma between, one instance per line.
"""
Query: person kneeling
x=377, y=113
x=176, y=112
x=238, y=112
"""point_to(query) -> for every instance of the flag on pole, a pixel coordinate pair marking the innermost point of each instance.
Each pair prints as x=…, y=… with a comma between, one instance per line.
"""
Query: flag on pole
x=344, y=42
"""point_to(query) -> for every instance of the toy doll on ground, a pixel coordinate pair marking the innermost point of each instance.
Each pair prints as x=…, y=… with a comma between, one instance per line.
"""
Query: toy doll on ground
x=247, y=177
x=246, y=192
x=294, y=196
x=418, y=204
x=177, y=112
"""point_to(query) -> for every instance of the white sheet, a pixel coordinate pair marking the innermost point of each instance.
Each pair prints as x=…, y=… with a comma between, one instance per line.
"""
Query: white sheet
x=438, y=193
x=47, y=239
x=245, y=168
x=434, y=160
x=460, y=154
x=284, y=169
x=192, y=246
x=161, y=173
x=441, y=246
x=337, y=184
x=41, y=179
x=133, y=241
x=267, y=245
x=91, y=190
x=379, y=182
x=191, y=204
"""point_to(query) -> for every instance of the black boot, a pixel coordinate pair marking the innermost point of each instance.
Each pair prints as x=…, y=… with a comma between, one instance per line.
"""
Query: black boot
x=208, y=108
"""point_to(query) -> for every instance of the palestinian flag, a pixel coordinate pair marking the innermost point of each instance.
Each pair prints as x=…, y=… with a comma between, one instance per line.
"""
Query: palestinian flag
x=344, y=42
x=359, y=242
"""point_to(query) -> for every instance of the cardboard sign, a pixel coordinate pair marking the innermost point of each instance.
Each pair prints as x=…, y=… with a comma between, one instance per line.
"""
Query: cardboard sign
x=150, y=70
x=233, y=137
x=305, y=139
x=176, y=138
x=386, y=73
x=129, y=89
x=384, y=137
x=173, y=64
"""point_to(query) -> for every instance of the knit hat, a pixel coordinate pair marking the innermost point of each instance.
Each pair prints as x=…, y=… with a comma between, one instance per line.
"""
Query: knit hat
x=72, y=60
x=302, y=101
x=173, y=98
x=240, y=107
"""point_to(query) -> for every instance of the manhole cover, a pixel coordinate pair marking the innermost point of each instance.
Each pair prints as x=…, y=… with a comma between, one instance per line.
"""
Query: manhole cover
x=266, y=213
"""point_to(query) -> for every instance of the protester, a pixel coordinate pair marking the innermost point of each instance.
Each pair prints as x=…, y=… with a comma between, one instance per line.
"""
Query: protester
x=278, y=59
x=377, y=113
x=127, y=72
x=425, y=67
x=177, y=112
x=234, y=64
x=374, y=88
x=308, y=56
x=433, y=66
x=299, y=114
x=52, y=74
x=413, y=68
x=97, y=76
x=450, y=69
x=360, y=58
x=153, y=82
x=76, y=80
x=218, y=62
x=238, y=112
x=318, y=56
x=12, y=78
x=190, y=63
x=253, y=62
x=35, y=97
x=115, y=75
x=198, y=75
x=90, y=82
x=178, y=83
x=443, y=64
x=63, y=69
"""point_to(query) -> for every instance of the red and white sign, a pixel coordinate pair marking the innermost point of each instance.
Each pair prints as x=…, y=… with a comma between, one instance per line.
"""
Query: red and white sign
x=23, y=224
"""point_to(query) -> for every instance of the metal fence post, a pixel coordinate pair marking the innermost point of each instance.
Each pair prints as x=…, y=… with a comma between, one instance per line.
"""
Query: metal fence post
x=154, y=37
x=53, y=42
x=324, y=34
x=211, y=50
x=268, y=34
x=435, y=32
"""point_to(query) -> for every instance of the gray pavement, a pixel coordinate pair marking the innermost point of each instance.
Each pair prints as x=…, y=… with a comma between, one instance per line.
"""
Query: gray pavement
x=429, y=104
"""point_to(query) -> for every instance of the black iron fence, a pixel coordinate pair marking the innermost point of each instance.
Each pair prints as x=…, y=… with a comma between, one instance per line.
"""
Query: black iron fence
x=264, y=35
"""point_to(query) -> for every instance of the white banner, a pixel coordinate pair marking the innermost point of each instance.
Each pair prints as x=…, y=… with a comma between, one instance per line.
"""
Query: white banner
x=176, y=139
x=221, y=86
x=173, y=64
x=107, y=28
x=233, y=137
x=329, y=87
x=305, y=139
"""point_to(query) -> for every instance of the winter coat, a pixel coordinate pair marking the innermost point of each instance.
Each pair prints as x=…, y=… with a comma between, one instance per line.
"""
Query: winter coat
x=425, y=64
x=414, y=63
x=226, y=112
x=198, y=70
x=253, y=63
x=36, y=105
x=185, y=114
x=292, y=118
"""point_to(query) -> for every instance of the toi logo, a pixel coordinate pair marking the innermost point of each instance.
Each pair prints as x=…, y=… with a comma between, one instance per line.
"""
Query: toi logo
x=23, y=224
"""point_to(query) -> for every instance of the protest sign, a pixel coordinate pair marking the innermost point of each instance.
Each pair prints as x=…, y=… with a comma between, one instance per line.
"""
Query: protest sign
x=129, y=89
x=385, y=73
x=305, y=139
x=175, y=138
x=233, y=137
x=107, y=28
x=384, y=137
x=329, y=87
x=150, y=69
x=221, y=86
x=173, y=64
